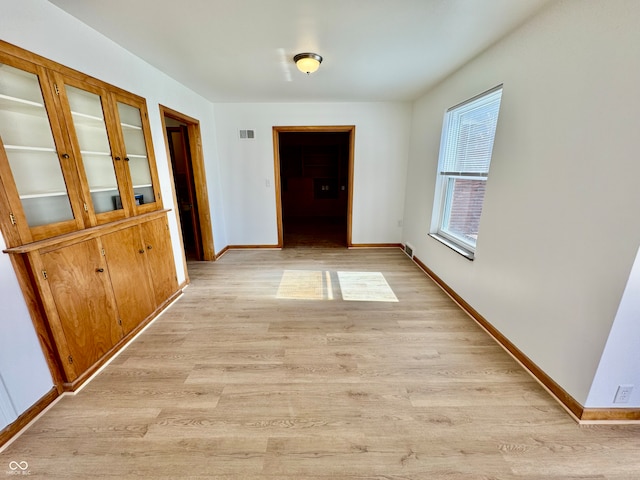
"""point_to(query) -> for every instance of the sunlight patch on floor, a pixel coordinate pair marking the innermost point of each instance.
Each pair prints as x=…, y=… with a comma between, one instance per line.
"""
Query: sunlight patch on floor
x=302, y=285
x=365, y=287
x=318, y=285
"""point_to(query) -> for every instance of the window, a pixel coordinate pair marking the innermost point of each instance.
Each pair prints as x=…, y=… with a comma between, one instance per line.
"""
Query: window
x=463, y=167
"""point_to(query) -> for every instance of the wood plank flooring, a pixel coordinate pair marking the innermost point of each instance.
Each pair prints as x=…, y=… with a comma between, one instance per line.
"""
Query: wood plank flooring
x=234, y=383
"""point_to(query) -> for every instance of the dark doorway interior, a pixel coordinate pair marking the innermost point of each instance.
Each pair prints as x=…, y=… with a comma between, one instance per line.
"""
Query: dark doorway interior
x=314, y=173
x=178, y=139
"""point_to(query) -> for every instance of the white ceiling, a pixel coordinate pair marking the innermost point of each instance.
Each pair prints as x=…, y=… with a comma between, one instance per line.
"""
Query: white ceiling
x=242, y=50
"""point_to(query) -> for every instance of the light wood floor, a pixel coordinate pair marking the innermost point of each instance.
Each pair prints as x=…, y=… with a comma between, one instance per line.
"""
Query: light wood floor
x=234, y=383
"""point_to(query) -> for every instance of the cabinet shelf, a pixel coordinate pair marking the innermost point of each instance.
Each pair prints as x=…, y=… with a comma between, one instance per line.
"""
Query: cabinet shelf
x=105, y=188
x=87, y=116
x=43, y=195
x=132, y=127
x=19, y=105
x=97, y=154
x=30, y=149
x=85, y=121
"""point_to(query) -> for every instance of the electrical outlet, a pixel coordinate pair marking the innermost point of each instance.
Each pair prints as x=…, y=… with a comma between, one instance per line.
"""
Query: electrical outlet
x=623, y=394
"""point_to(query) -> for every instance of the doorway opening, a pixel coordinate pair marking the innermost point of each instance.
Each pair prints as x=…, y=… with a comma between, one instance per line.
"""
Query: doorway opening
x=184, y=150
x=313, y=168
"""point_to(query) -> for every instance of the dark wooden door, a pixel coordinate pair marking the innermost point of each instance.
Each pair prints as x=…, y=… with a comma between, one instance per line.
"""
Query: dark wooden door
x=185, y=190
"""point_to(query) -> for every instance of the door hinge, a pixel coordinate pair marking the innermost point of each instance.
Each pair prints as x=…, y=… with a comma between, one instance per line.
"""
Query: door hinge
x=44, y=274
x=12, y=217
x=70, y=358
x=86, y=207
x=104, y=254
x=55, y=87
x=120, y=321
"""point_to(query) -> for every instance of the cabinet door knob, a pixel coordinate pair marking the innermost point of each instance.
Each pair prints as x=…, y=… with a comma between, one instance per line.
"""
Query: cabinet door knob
x=126, y=159
x=149, y=247
x=141, y=250
x=65, y=155
x=117, y=158
x=99, y=270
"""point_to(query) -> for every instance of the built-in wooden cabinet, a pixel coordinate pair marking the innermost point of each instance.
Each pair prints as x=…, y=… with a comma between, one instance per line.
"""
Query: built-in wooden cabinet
x=76, y=152
x=81, y=211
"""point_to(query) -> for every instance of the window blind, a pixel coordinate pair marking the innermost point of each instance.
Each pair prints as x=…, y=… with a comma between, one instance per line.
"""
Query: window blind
x=469, y=136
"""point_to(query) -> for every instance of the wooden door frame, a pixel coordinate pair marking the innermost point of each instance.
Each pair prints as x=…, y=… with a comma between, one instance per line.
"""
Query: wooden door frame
x=351, y=129
x=199, y=180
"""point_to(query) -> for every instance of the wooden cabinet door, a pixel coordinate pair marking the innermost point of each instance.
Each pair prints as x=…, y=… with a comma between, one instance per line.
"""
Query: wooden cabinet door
x=93, y=134
x=36, y=164
x=162, y=268
x=80, y=286
x=134, y=132
x=126, y=258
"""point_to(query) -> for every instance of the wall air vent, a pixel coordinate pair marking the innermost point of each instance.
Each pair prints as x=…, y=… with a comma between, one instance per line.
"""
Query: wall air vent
x=247, y=134
x=408, y=249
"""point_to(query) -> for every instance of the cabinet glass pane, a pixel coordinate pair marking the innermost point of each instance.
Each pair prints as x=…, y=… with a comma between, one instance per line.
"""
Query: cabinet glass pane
x=91, y=131
x=30, y=148
x=136, y=152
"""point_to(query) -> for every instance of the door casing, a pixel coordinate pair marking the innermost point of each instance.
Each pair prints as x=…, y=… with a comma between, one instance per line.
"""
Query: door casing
x=199, y=180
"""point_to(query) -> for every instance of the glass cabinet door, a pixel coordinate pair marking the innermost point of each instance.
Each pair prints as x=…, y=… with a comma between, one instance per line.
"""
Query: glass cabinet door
x=138, y=155
x=32, y=153
x=87, y=113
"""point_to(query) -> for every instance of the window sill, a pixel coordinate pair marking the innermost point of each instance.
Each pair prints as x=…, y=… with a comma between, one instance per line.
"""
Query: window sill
x=468, y=254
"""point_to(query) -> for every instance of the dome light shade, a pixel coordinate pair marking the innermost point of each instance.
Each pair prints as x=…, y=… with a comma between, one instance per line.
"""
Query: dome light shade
x=307, y=62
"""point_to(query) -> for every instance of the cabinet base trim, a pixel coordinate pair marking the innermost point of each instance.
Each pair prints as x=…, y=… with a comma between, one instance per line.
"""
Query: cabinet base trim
x=78, y=383
x=12, y=431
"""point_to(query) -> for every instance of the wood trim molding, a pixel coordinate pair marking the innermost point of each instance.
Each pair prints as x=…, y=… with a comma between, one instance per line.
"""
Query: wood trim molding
x=575, y=409
x=38, y=319
x=174, y=195
x=238, y=247
x=610, y=415
x=566, y=400
x=352, y=159
x=199, y=179
x=85, y=234
x=23, y=420
x=375, y=245
x=277, y=183
x=25, y=55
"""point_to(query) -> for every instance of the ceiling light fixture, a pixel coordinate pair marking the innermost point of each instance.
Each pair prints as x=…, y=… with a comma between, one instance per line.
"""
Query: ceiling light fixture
x=307, y=62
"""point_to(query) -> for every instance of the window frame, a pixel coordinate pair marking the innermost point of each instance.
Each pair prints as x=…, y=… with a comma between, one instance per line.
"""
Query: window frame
x=445, y=180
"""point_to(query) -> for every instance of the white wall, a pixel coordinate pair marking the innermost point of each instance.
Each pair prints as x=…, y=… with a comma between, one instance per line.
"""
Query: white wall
x=380, y=160
x=621, y=358
x=559, y=229
x=42, y=28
